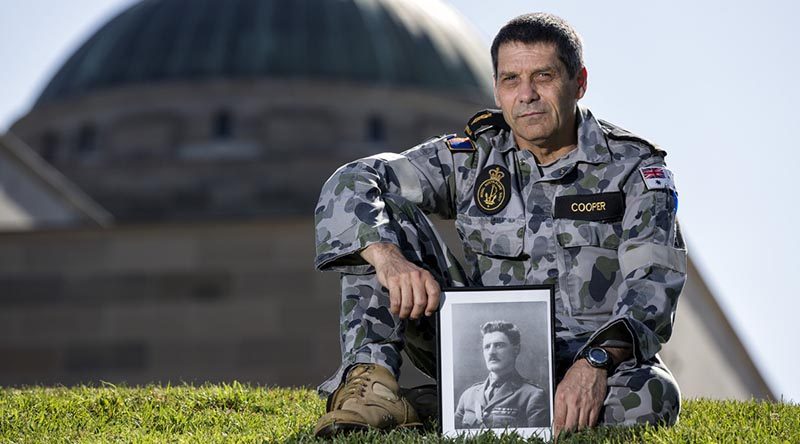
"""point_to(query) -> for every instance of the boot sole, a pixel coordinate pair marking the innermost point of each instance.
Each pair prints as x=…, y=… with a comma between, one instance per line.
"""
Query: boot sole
x=339, y=428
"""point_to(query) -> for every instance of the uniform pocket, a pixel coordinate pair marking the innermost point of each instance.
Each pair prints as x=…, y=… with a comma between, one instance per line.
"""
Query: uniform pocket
x=492, y=236
x=588, y=266
x=571, y=233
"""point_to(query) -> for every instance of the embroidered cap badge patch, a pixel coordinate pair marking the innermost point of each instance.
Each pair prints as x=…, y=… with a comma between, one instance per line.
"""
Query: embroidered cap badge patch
x=494, y=189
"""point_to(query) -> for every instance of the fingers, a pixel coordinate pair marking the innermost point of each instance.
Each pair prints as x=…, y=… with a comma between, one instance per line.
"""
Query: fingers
x=594, y=415
x=560, y=415
x=395, y=296
x=571, y=421
x=406, y=298
x=583, y=418
x=412, y=293
x=433, y=290
x=579, y=399
x=420, y=295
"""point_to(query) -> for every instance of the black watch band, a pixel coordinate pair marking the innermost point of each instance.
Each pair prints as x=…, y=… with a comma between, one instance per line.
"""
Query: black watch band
x=598, y=357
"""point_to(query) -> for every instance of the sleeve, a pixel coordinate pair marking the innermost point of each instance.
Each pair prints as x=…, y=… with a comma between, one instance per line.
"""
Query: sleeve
x=351, y=213
x=460, y=410
x=537, y=408
x=652, y=260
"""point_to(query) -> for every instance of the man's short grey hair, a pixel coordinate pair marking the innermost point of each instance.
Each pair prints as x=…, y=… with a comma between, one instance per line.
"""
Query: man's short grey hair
x=540, y=27
x=510, y=330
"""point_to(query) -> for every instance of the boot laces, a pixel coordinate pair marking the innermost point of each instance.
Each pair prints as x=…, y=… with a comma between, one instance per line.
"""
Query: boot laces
x=356, y=385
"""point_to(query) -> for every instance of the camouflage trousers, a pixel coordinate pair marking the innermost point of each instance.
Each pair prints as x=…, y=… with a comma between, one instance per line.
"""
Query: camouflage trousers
x=370, y=333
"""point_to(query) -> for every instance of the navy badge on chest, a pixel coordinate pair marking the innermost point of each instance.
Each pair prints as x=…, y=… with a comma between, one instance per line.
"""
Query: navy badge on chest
x=592, y=207
x=493, y=190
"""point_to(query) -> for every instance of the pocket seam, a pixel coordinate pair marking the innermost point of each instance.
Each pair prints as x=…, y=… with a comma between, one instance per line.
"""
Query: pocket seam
x=579, y=240
x=511, y=226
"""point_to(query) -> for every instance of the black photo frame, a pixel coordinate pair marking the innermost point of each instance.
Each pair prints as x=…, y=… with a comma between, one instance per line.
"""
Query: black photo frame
x=464, y=357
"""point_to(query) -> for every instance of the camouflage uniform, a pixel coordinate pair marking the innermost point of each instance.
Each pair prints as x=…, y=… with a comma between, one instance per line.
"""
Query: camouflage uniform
x=617, y=280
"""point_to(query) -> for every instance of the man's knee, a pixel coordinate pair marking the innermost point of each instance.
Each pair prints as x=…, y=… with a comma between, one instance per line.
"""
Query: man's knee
x=643, y=395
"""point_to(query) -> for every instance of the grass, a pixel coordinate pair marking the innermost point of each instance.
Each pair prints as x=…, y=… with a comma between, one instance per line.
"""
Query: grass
x=236, y=413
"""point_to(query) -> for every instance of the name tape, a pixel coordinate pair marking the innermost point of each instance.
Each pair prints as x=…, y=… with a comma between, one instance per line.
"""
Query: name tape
x=593, y=207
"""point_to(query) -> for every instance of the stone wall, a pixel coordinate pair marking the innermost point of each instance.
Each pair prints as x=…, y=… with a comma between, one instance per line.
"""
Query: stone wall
x=210, y=302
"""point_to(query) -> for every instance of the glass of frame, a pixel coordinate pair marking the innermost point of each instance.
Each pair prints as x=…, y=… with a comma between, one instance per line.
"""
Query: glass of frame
x=495, y=360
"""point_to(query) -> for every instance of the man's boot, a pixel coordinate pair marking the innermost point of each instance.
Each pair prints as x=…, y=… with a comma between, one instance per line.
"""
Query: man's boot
x=368, y=397
x=425, y=400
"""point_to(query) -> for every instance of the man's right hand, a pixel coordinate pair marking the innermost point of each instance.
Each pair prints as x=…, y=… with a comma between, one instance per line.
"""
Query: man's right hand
x=412, y=290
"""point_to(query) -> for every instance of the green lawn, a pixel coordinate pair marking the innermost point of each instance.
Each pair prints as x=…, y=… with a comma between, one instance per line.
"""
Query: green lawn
x=237, y=413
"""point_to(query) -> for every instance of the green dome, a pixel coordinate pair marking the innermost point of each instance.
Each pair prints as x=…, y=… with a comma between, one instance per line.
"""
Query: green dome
x=411, y=43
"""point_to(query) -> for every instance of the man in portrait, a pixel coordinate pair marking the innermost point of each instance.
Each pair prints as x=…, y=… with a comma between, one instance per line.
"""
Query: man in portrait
x=504, y=398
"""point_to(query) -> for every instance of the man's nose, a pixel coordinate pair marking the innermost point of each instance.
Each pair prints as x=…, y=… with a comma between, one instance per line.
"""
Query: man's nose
x=528, y=92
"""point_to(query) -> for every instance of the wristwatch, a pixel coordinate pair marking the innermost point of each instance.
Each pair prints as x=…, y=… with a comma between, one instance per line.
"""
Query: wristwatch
x=598, y=357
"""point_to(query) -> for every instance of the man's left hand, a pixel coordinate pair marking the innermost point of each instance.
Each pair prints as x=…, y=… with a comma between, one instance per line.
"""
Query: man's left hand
x=579, y=397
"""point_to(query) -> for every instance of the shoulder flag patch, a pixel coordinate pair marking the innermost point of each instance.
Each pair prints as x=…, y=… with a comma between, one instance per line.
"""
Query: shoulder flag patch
x=460, y=144
x=657, y=178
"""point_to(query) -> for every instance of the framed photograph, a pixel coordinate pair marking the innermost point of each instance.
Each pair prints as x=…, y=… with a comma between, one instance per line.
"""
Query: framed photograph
x=495, y=358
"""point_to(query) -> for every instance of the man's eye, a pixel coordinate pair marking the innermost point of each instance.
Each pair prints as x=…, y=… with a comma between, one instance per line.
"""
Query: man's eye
x=544, y=76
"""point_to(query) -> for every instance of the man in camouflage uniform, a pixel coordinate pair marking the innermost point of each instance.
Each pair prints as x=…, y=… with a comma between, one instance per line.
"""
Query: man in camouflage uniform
x=542, y=192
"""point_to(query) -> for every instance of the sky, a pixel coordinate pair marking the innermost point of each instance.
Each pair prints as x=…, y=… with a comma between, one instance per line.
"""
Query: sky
x=710, y=82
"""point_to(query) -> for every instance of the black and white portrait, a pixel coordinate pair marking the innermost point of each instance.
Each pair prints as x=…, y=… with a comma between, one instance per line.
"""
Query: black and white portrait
x=496, y=361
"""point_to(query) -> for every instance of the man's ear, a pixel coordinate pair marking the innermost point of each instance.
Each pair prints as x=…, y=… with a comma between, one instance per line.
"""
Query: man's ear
x=516, y=350
x=582, y=78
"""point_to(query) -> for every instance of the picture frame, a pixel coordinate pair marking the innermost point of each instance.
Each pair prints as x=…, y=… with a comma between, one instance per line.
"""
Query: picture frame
x=486, y=382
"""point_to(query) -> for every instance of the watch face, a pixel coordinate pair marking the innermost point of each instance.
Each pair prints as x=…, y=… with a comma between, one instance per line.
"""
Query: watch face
x=598, y=355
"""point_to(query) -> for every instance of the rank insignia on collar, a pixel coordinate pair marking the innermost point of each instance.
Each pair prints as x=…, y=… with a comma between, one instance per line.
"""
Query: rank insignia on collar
x=493, y=190
x=484, y=120
x=460, y=144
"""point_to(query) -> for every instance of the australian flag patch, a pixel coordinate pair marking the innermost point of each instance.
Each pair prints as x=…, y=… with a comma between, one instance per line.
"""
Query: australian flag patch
x=460, y=144
x=657, y=178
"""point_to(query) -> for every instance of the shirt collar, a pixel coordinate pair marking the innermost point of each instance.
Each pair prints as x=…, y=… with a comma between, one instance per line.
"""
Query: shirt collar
x=497, y=381
x=592, y=144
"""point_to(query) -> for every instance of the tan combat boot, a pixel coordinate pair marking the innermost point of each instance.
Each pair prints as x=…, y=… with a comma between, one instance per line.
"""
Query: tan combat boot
x=369, y=397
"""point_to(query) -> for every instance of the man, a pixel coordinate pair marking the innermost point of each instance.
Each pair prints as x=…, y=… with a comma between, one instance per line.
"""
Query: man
x=504, y=399
x=542, y=193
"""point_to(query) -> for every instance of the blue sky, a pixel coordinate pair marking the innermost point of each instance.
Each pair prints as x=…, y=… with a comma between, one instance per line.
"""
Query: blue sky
x=711, y=82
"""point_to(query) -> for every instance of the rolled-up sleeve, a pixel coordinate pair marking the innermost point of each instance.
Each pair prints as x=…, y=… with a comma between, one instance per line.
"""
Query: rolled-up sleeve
x=652, y=260
x=351, y=213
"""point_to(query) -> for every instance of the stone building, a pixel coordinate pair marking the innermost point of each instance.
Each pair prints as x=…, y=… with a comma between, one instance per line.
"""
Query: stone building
x=157, y=214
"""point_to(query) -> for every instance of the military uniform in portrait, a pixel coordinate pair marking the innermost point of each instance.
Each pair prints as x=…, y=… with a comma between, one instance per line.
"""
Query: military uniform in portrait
x=513, y=402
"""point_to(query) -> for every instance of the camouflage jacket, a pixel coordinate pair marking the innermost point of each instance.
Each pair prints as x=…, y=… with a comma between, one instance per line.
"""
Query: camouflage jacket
x=599, y=224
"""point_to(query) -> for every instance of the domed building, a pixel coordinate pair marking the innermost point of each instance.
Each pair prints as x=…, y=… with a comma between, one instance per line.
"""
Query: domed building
x=156, y=203
x=181, y=150
x=209, y=109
